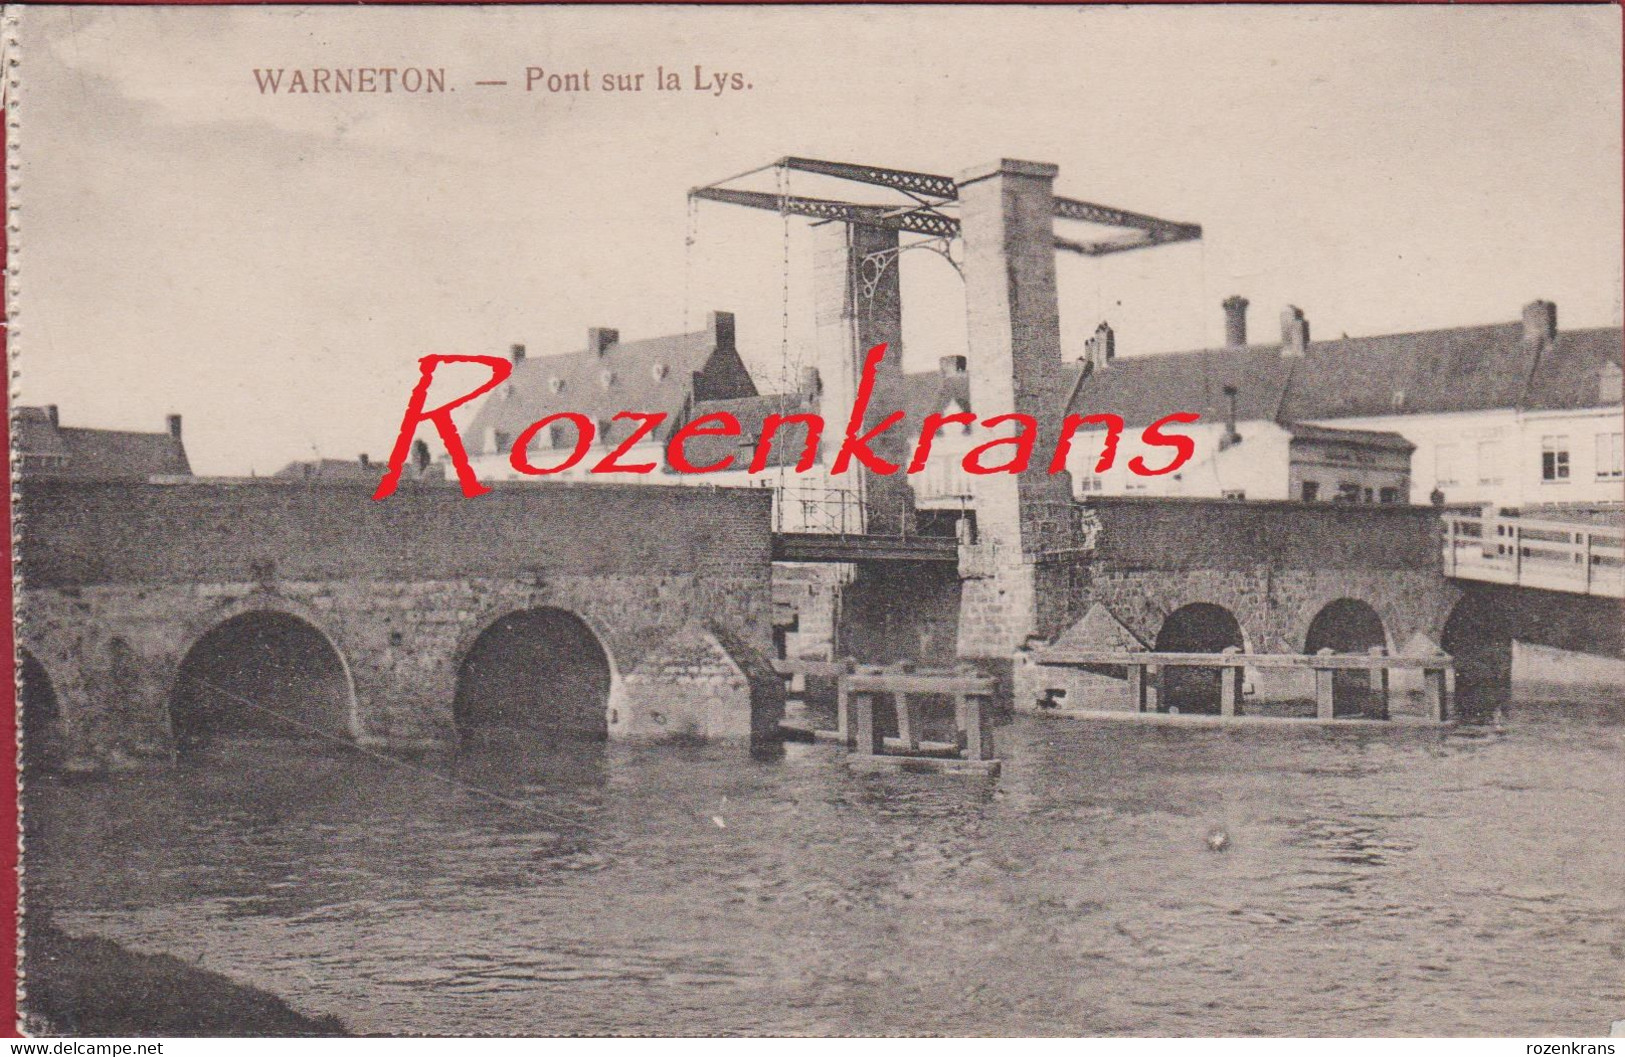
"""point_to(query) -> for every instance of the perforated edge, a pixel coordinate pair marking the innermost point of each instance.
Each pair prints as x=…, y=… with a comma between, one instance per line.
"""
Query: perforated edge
x=10, y=68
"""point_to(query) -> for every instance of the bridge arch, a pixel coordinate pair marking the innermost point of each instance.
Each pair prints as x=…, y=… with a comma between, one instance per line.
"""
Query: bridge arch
x=1478, y=634
x=540, y=669
x=40, y=713
x=1197, y=627
x=262, y=668
x=1350, y=625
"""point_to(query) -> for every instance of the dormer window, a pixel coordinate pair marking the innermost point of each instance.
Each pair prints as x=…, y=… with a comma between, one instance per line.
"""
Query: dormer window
x=658, y=371
x=555, y=385
x=606, y=378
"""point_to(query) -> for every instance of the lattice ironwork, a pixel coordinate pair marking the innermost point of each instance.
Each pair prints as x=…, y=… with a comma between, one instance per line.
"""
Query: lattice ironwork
x=920, y=183
x=918, y=221
x=931, y=191
x=1159, y=230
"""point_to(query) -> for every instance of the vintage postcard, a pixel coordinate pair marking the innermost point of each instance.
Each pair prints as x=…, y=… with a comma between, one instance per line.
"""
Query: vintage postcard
x=818, y=521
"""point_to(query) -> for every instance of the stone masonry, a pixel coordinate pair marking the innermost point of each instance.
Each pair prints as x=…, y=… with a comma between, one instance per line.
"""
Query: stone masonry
x=121, y=580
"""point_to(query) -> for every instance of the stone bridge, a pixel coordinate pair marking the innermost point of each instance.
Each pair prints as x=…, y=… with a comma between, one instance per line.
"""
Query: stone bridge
x=154, y=616
x=1204, y=576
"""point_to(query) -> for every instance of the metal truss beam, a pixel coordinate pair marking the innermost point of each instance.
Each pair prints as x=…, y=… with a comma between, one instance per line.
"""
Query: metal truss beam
x=918, y=221
x=1159, y=230
x=921, y=183
x=924, y=219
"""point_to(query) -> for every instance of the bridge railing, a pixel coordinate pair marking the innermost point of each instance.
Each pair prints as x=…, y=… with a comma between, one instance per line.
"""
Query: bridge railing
x=1553, y=555
x=1145, y=670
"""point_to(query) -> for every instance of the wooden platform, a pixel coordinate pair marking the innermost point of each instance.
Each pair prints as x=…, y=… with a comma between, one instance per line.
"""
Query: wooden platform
x=923, y=764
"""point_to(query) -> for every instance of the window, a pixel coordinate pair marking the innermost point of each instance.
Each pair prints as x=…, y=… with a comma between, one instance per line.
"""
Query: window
x=1491, y=456
x=1388, y=495
x=1348, y=493
x=1610, y=456
x=1236, y=494
x=1554, y=458
x=1444, y=464
x=1090, y=483
x=500, y=441
x=1310, y=491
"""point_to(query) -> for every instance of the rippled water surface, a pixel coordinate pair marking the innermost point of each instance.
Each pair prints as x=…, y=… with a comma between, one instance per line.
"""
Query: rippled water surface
x=1378, y=881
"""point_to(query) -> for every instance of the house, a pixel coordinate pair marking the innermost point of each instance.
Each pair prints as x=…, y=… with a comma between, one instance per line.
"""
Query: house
x=668, y=376
x=45, y=448
x=1519, y=415
x=361, y=469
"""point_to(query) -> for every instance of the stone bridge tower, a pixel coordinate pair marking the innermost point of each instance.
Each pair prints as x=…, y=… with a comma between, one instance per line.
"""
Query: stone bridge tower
x=1014, y=576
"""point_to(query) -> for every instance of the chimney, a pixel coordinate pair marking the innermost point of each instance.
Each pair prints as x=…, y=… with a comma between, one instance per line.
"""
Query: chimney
x=950, y=366
x=175, y=426
x=599, y=339
x=1294, y=331
x=721, y=326
x=51, y=413
x=1539, y=322
x=420, y=453
x=1101, y=349
x=810, y=383
x=516, y=352
x=1235, y=322
x=365, y=461
x=1230, y=435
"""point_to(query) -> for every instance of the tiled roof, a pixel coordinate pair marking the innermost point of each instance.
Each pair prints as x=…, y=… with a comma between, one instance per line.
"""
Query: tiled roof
x=1372, y=438
x=653, y=375
x=96, y=454
x=1461, y=369
x=751, y=411
x=332, y=469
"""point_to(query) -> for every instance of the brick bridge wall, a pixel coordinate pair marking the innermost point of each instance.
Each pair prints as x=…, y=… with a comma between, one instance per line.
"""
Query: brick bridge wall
x=1273, y=566
x=120, y=580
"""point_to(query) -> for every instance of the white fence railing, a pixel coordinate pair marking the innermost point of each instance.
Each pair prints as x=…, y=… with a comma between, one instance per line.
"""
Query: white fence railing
x=1553, y=555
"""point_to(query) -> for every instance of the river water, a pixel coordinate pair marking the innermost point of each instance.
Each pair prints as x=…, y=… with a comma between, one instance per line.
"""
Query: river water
x=1377, y=881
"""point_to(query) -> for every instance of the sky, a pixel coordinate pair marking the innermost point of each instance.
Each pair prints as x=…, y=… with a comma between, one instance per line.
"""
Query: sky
x=272, y=266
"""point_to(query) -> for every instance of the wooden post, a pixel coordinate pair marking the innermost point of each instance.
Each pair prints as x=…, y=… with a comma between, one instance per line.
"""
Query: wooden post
x=1586, y=557
x=1160, y=678
x=871, y=741
x=1379, y=685
x=843, y=719
x=907, y=707
x=1325, y=690
x=1230, y=686
x=1517, y=554
x=1438, y=695
x=978, y=738
x=1136, y=688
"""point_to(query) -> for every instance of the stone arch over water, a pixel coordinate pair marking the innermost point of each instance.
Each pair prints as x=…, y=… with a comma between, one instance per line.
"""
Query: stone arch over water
x=40, y=713
x=1199, y=627
x=1479, y=634
x=541, y=671
x=1348, y=625
x=262, y=673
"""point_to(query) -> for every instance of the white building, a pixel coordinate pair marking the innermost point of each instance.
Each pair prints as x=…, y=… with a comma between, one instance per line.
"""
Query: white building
x=1518, y=415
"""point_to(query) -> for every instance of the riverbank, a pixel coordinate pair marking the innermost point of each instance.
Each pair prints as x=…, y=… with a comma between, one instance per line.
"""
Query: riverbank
x=87, y=986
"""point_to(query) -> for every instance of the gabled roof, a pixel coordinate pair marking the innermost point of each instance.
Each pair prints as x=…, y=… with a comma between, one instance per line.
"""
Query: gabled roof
x=1370, y=438
x=332, y=470
x=1459, y=369
x=655, y=375
x=931, y=392
x=751, y=411
x=96, y=454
